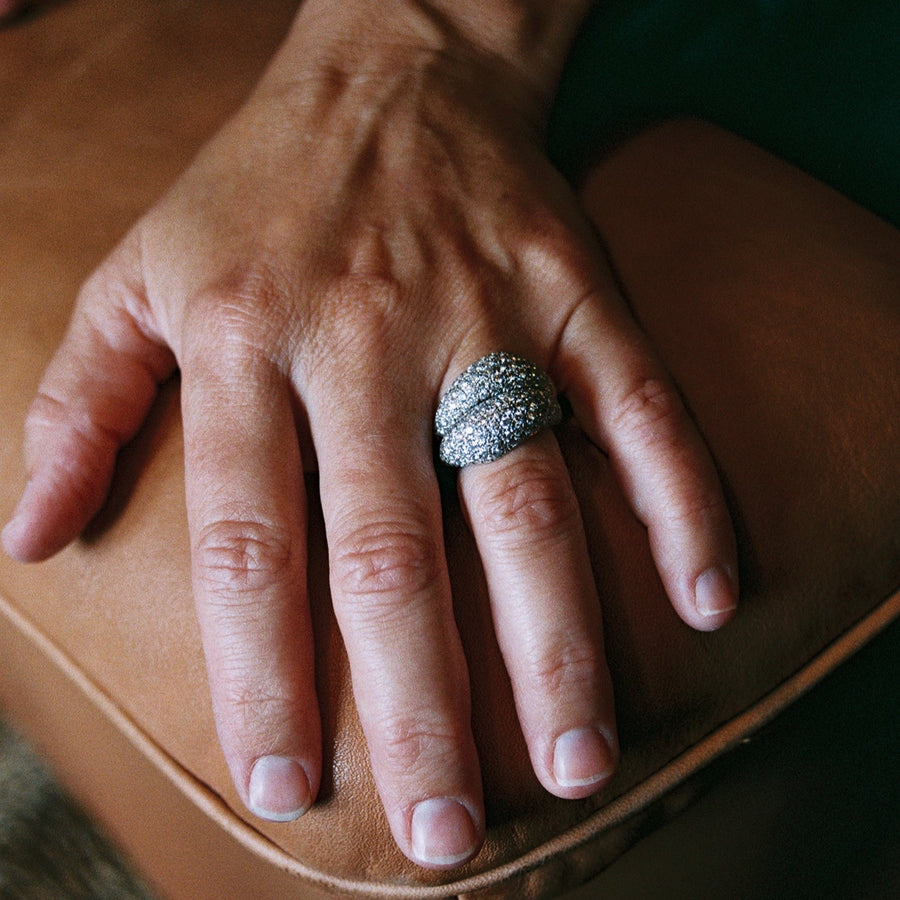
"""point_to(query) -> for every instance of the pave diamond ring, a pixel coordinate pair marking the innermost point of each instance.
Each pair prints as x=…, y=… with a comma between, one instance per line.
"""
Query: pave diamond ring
x=494, y=406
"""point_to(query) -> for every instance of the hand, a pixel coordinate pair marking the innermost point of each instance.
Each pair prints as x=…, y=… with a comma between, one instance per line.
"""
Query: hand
x=374, y=219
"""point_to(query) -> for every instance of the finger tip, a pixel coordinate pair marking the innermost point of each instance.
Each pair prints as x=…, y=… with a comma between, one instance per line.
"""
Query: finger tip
x=444, y=833
x=16, y=541
x=584, y=760
x=715, y=599
x=279, y=789
x=25, y=541
x=17, y=537
x=48, y=517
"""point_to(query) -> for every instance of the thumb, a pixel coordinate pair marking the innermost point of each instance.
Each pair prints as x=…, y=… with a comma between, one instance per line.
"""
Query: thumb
x=92, y=398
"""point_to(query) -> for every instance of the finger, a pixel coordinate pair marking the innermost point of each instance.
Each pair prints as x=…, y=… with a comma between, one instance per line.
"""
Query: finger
x=91, y=400
x=626, y=401
x=246, y=510
x=8, y=8
x=526, y=521
x=392, y=599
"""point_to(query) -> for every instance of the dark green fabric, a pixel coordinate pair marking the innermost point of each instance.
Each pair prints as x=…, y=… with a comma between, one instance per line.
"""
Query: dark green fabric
x=816, y=82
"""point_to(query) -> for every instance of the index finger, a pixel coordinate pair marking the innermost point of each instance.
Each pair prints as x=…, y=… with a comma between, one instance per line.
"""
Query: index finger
x=246, y=511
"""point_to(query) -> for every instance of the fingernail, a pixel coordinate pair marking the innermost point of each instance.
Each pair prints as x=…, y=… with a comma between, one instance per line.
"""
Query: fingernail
x=279, y=789
x=714, y=593
x=582, y=757
x=443, y=833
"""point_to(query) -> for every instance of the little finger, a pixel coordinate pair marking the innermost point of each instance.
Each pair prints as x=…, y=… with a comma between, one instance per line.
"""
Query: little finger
x=623, y=397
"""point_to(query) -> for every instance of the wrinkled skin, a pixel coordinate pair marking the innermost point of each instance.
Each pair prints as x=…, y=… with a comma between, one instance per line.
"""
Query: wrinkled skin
x=373, y=220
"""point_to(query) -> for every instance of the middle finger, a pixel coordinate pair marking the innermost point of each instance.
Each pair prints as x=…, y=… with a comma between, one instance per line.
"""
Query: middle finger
x=391, y=594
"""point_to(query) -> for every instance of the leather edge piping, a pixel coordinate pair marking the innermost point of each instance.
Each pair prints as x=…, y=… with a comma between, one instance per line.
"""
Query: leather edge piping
x=721, y=740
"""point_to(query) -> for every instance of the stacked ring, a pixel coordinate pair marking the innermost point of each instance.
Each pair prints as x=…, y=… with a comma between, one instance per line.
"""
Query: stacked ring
x=493, y=407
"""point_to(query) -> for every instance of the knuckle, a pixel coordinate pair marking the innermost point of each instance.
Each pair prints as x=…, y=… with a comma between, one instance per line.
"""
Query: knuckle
x=384, y=558
x=551, y=249
x=247, y=312
x=410, y=743
x=105, y=289
x=78, y=450
x=648, y=413
x=572, y=668
x=533, y=499
x=49, y=414
x=251, y=717
x=237, y=556
x=695, y=510
x=360, y=311
x=250, y=704
x=366, y=302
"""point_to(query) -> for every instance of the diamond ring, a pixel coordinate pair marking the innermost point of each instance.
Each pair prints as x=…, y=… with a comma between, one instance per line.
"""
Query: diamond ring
x=493, y=407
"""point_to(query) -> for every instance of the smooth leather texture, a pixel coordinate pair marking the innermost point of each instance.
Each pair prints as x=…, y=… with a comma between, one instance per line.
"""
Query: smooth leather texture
x=774, y=302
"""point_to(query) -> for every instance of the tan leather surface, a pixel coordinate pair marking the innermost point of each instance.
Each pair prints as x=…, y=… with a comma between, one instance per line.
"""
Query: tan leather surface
x=773, y=301
x=165, y=824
